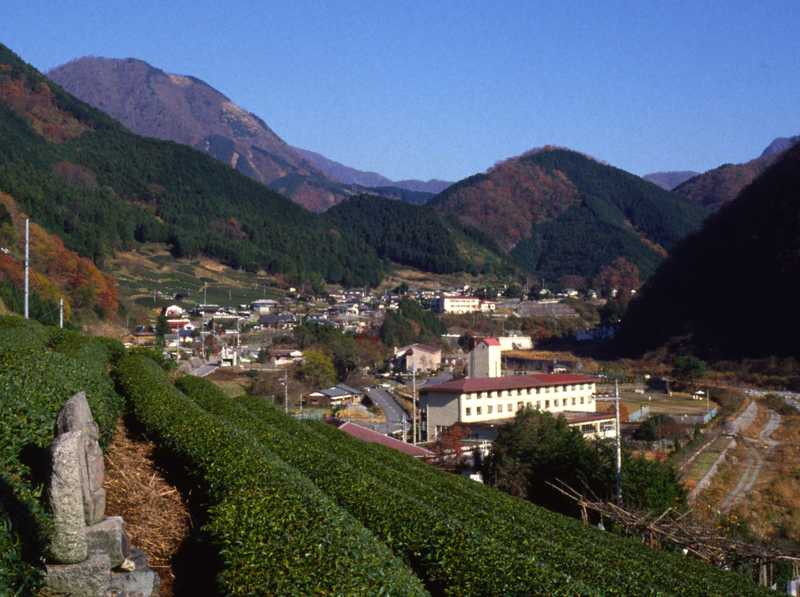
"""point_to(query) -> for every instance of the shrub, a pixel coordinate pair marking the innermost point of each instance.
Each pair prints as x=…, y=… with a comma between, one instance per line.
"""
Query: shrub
x=275, y=532
x=592, y=561
x=452, y=555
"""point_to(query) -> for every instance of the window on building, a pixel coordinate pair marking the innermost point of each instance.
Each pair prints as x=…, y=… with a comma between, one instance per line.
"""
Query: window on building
x=467, y=412
x=573, y=401
x=555, y=403
x=489, y=409
x=509, y=407
x=478, y=410
x=547, y=404
x=581, y=399
x=528, y=404
x=520, y=405
x=538, y=405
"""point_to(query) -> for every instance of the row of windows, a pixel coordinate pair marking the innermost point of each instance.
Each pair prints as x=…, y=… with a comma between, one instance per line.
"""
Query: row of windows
x=527, y=391
x=520, y=405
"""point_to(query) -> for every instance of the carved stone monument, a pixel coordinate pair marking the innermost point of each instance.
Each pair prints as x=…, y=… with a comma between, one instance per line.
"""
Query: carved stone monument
x=89, y=553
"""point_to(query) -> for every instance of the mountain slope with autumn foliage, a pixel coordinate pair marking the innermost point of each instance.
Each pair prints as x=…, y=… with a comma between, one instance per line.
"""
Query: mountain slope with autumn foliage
x=719, y=186
x=83, y=176
x=56, y=272
x=559, y=212
x=730, y=290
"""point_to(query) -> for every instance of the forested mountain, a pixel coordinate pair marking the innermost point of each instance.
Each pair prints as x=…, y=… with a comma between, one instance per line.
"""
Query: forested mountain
x=730, y=290
x=82, y=175
x=717, y=187
x=417, y=236
x=186, y=110
x=559, y=212
x=670, y=180
x=348, y=175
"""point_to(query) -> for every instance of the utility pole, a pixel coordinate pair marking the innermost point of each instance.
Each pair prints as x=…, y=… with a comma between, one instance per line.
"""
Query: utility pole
x=286, y=392
x=619, y=443
x=414, y=404
x=61, y=312
x=618, y=438
x=27, y=265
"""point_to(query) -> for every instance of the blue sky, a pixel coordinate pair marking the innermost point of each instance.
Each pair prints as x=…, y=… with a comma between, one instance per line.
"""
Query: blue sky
x=444, y=89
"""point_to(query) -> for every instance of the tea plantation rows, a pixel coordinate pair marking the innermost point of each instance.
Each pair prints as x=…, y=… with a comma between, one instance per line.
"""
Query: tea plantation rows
x=298, y=508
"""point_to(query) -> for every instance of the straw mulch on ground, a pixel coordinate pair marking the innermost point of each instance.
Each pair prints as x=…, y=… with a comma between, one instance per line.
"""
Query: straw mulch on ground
x=156, y=518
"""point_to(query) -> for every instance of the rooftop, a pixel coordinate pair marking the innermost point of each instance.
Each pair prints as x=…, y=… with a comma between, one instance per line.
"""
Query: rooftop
x=509, y=382
x=373, y=437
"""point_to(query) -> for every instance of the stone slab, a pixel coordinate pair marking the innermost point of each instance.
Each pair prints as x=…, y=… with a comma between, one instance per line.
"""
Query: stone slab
x=142, y=582
x=68, y=544
x=109, y=537
x=76, y=415
x=90, y=578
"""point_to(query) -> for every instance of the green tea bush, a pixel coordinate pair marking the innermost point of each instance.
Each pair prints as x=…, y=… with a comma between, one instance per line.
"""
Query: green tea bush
x=454, y=554
x=562, y=546
x=274, y=530
x=35, y=381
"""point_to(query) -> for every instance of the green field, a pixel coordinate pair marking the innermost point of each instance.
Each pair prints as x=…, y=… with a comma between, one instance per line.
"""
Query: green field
x=153, y=271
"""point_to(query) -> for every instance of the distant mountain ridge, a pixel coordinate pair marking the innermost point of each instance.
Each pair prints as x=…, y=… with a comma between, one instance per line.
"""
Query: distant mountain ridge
x=348, y=175
x=670, y=179
x=187, y=110
x=80, y=174
x=560, y=212
x=729, y=291
x=719, y=186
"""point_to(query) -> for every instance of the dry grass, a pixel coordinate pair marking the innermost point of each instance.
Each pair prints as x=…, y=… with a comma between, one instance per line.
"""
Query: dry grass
x=156, y=518
x=772, y=509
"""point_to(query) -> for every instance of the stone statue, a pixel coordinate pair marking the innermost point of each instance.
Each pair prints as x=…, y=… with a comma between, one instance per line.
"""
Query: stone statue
x=89, y=553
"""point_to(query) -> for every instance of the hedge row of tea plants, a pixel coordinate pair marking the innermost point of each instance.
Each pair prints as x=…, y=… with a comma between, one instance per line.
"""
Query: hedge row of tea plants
x=452, y=554
x=275, y=531
x=40, y=368
x=605, y=556
x=601, y=561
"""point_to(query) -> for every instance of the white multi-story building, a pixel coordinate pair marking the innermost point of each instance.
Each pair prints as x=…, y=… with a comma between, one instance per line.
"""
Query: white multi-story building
x=464, y=304
x=496, y=400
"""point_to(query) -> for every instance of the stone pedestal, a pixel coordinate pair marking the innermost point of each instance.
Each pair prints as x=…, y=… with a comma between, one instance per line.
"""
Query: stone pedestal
x=90, y=578
x=142, y=582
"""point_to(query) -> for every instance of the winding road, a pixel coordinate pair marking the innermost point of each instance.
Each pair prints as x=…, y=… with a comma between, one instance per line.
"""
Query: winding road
x=394, y=413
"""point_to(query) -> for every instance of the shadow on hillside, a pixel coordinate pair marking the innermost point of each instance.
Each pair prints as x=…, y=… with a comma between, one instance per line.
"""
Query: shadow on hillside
x=196, y=563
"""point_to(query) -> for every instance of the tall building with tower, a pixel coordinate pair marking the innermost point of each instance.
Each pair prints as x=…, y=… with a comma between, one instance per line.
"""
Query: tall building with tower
x=485, y=359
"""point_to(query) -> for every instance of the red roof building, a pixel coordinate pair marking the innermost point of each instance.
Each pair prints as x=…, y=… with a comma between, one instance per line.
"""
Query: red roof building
x=373, y=437
x=488, y=400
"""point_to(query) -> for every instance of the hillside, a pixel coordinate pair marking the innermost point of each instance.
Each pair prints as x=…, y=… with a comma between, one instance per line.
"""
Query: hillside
x=81, y=175
x=715, y=188
x=184, y=109
x=670, y=180
x=415, y=236
x=729, y=290
x=347, y=175
x=559, y=212
x=56, y=272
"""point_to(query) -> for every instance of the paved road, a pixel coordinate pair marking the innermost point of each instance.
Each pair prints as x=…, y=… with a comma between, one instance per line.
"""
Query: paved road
x=394, y=413
x=203, y=370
